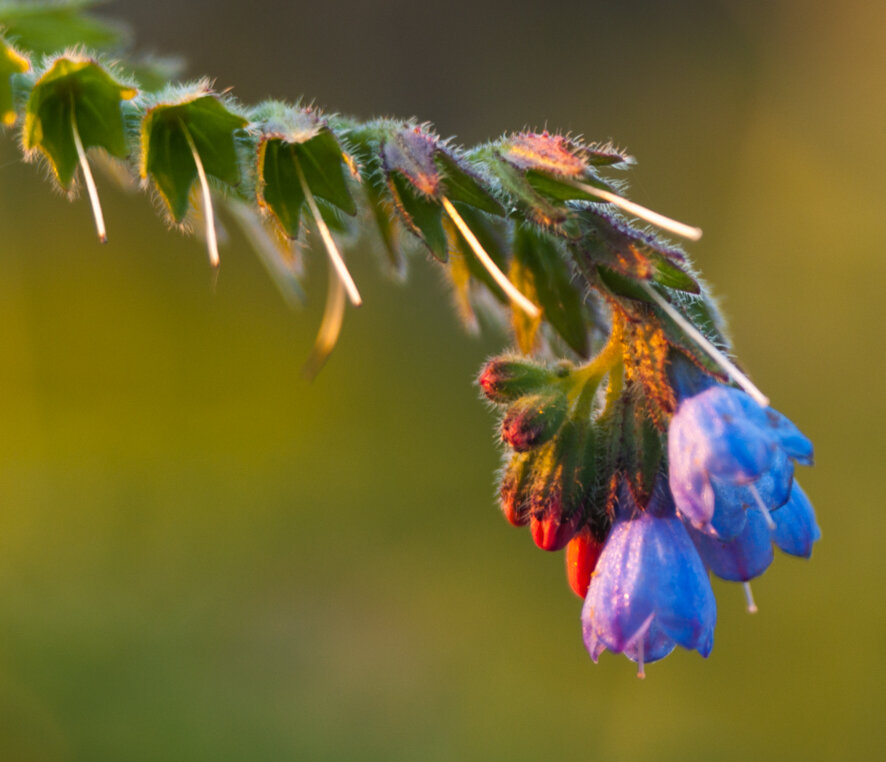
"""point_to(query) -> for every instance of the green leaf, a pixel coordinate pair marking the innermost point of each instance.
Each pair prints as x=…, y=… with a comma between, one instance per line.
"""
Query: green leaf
x=11, y=62
x=166, y=153
x=539, y=171
x=561, y=189
x=75, y=91
x=462, y=185
x=622, y=285
x=491, y=241
x=280, y=187
x=389, y=232
x=514, y=183
x=666, y=273
x=558, y=296
x=47, y=27
x=700, y=314
x=421, y=216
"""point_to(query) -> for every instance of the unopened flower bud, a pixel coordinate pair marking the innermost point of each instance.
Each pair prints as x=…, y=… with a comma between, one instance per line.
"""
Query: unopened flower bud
x=514, y=491
x=555, y=496
x=582, y=553
x=552, y=531
x=533, y=420
x=410, y=151
x=504, y=380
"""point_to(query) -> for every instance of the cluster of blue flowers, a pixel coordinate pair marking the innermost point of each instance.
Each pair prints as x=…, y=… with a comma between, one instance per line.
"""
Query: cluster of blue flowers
x=728, y=496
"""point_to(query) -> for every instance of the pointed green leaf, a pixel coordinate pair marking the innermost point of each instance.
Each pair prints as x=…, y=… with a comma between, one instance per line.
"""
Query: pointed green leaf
x=622, y=285
x=558, y=295
x=11, y=62
x=513, y=181
x=280, y=187
x=462, y=185
x=696, y=310
x=166, y=153
x=666, y=273
x=422, y=217
x=389, y=232
x=323, y=164
x=561, y=189
x=492, y=242
x=75, y=90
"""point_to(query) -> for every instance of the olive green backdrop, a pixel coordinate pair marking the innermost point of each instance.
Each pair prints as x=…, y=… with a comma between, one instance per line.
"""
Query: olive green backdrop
x=204, y=557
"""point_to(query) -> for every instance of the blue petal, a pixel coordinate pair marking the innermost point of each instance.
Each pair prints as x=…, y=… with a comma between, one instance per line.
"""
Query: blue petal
x=741, y=453
x=732, y=502
x=716, y=432
x=794, y=442
x=795, y=527
x=656, y=645
x=743, y=558
x=618, y=601
x=685, y=608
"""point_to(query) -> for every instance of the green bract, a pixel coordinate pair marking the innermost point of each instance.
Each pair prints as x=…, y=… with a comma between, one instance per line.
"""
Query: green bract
x=559, y=296
x=171, y=127
x=292, y=139
x=75, y=93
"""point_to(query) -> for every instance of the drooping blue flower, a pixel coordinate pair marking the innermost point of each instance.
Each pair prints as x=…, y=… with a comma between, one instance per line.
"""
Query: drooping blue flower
x=728, y=454
x=795, y=527
x=650, y=591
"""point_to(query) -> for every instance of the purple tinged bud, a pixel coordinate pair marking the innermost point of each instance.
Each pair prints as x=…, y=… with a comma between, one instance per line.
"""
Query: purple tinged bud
x=543, y=152
x=411, y=152
x=533, y=420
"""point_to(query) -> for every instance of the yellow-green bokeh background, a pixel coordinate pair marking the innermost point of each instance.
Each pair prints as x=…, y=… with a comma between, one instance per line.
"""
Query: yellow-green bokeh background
x=203, y=557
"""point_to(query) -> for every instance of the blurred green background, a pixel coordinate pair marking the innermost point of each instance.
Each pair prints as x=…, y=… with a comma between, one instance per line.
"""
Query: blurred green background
x=204, y=557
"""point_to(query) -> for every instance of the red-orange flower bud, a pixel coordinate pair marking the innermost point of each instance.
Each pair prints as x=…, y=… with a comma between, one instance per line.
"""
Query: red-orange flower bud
x=504, y=380
x=582, y=553
x=531, y=421
x=549, y=532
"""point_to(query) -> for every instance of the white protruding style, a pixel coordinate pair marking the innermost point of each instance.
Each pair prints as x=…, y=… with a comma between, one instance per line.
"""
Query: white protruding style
x=749, y=598
x=498, y=276
x=721, y=359
x=208, y=213
x=763, y=509
x=641, y=664
x=335, y=256
x=90, y=182
x=659, y=220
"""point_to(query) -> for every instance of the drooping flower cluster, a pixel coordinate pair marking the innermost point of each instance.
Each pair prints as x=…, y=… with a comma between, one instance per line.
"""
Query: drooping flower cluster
x=639, y=551
x=673, y=468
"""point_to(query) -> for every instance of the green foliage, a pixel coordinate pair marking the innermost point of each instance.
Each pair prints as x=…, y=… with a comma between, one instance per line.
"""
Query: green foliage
x=174, y=128
x=530, y=226
x=75, y=94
